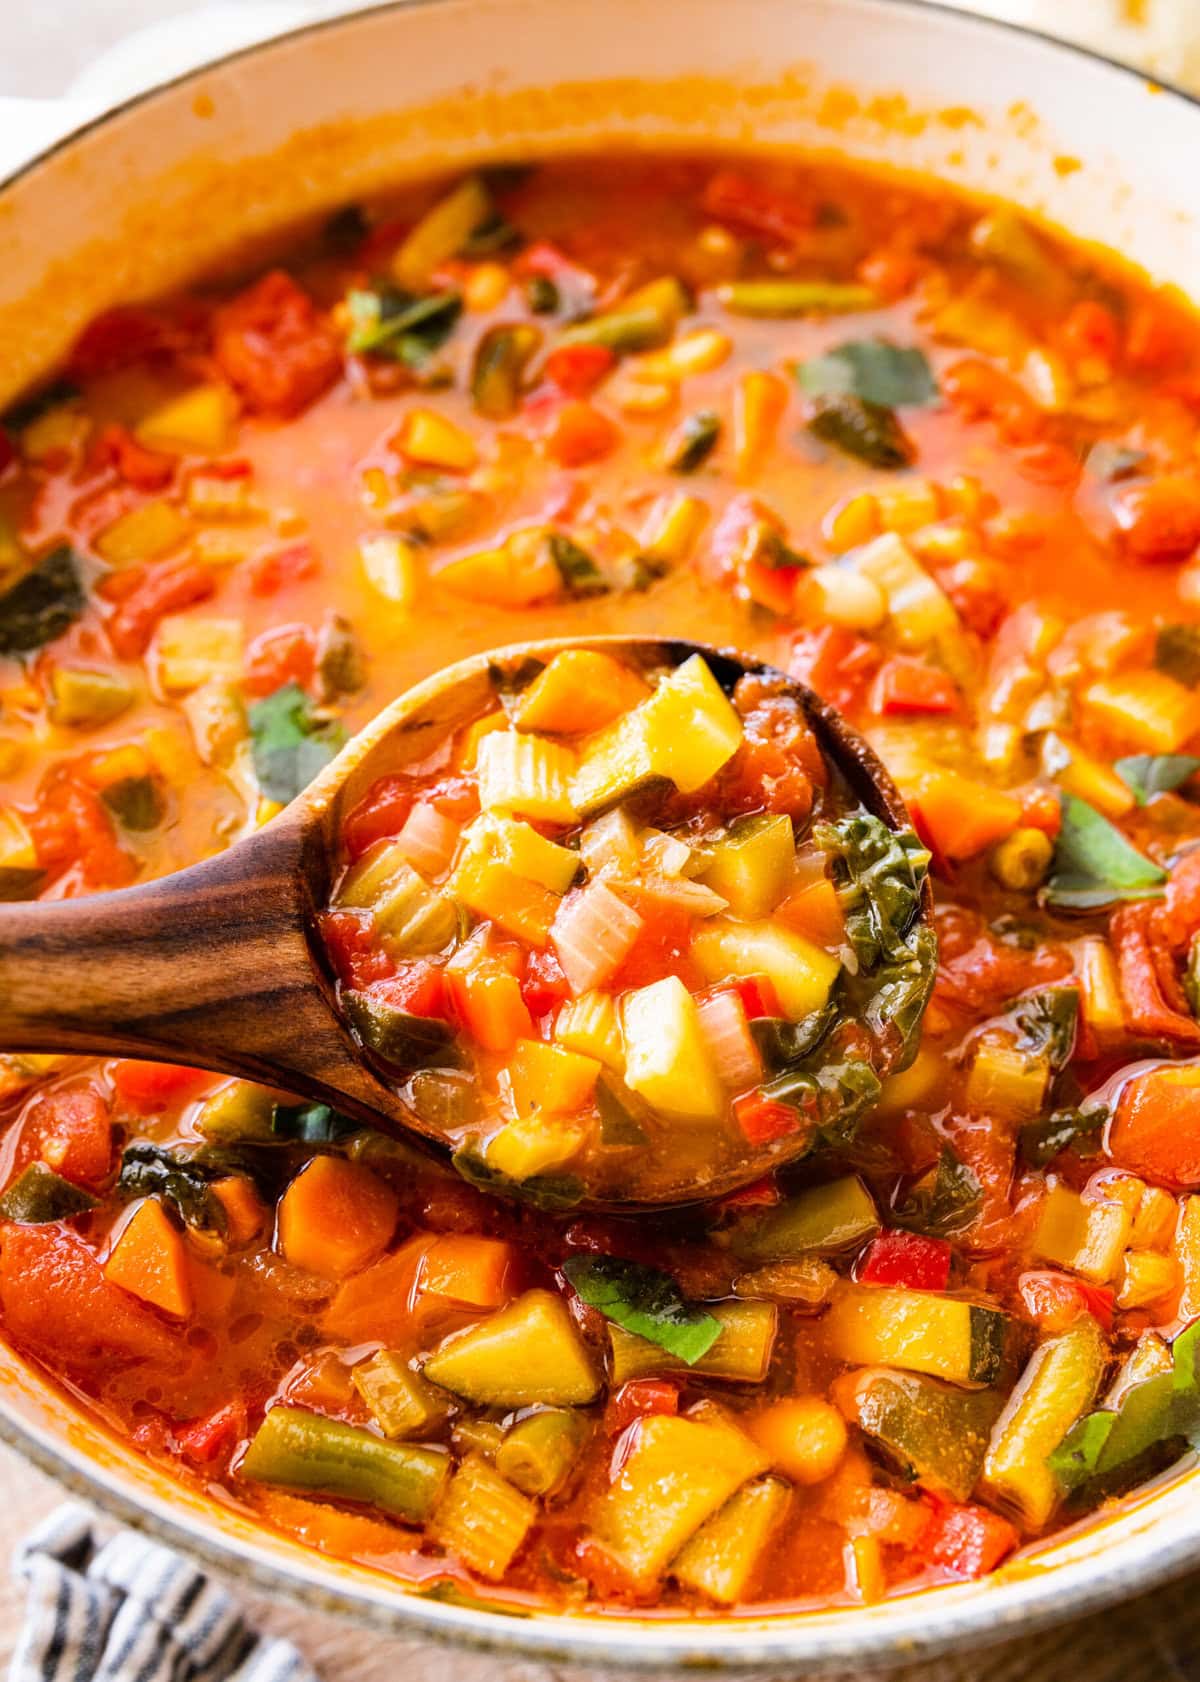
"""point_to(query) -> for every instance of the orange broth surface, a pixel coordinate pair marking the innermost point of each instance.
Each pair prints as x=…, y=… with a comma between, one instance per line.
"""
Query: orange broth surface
x=918, y=454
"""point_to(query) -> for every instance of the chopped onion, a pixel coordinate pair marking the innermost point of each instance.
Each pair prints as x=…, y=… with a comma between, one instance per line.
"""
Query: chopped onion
x=428, y=839
x=592, y=936
x=727, y=1034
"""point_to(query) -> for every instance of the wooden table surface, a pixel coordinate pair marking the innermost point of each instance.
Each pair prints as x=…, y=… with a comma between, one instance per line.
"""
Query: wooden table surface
x=1156, y=1638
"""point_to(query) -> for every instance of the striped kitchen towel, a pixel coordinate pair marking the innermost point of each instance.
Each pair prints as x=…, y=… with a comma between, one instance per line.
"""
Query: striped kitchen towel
x=129, y=1610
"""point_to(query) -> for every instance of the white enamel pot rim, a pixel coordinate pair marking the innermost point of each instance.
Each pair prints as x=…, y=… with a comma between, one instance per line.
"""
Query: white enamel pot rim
x=236, y=112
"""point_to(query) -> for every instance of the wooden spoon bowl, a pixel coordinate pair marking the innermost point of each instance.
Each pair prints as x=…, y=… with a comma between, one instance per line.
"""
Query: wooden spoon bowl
x=221, y=967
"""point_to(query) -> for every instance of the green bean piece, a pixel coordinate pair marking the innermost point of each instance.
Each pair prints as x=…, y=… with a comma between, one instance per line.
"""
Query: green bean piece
x=301, y=1450
x=693, y=441
x=777, y=298
x=621, y=330
x=400, y=1401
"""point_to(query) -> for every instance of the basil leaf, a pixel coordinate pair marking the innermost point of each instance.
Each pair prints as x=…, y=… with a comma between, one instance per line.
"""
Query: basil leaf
x=311, y=1124
x=1157, y=1413
x=874, y=370
x=1177, y=652
x=151, y=1171
x=289, y=743
x=1148, y=774
x=41, y=605
x=942, y=1201
x=404, y=325
x=1094, y=865
x=645, y=1302
x=1047, y=1023
x=1049, y=1136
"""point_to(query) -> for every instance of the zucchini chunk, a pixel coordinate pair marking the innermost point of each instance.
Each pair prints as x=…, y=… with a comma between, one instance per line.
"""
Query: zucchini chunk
x=822, y=1219
x=742, y=1351
x=919, y=1331
x=723, y=1555
x=529, y=1352
x=934, y=1433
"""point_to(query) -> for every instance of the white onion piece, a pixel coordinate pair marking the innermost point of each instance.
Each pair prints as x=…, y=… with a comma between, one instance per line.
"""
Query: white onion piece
x=428, y=840
x=727, y=1034
x=592, y=935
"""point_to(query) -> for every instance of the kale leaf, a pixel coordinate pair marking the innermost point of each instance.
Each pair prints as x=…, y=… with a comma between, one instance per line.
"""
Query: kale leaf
x=41, y=605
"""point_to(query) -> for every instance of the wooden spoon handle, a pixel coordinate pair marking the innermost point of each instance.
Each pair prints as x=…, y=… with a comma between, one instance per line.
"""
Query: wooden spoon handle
x=210, y=967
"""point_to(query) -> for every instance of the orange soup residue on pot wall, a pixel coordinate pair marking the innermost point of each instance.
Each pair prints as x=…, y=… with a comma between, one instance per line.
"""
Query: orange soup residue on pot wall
x=920, y=455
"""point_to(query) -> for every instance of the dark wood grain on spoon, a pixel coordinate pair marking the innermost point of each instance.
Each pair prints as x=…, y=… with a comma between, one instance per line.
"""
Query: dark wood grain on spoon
x=219, y=966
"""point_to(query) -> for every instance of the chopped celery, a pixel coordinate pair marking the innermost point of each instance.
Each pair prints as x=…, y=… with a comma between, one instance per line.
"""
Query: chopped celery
x=801, y=973
x=752, y=866
x=667, y=1061
x=721, y=1558
x=482, y=1518
x=741, y=1352
x=822, y=1220
x=920, y=610
x=412, y=917
x=529, y=1352
x=678, y=1473
x=1058, y=1385
x=539, y=1451
x=400, y=1401
x=920, y=1331
x=526, y=774
x=589, y=1025
x=306, y=1451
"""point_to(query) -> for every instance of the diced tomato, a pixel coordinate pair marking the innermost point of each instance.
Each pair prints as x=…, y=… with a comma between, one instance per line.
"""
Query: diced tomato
x=8, y=451
x=356, y=958
x=1090, y=330
x=1156, y=340
x=904, y=685
x=1053, y=1300
x=544, y=985
x=966, y=1540
x=151, y=592
x=762, y=1119
x=145, y=470
x=1041, y=809
x=1178, y=917
x=278, y=568
x=896, y=1257
x=419, y=988
x=574, y=433
x=661, y=948
x=150, y=1088
x=72, y=831
x=639, y=1399
x=1156, y=1129
x=287, y=654
x=735, y=197
x=759, y=1194
x=1155, y=1003
x=71, y=1132
x=215, y=1436
x=1049, y=463
x=835, y=662
x=273, y=344
x=57, y=1302
x=892, y=272
x=129, y=334
x=982, y=391
x=381, y=813
x=1160, y=519
x=578, y=369
x=757, y=993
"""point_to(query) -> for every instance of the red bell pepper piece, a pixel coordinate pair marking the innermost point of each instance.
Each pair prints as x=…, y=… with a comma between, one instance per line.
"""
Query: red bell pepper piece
x=214, y=1436
x=912, y=1259
x=763, y=1119
x=638, y=1399
x=904, y=686
x=578, y=369
x=1053, y=1300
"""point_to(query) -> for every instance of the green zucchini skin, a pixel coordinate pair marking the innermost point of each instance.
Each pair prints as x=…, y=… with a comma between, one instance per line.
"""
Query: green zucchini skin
x=933, y=1433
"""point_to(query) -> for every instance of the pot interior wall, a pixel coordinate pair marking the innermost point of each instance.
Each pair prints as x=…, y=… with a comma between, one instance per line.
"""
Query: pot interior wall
x=172, y=183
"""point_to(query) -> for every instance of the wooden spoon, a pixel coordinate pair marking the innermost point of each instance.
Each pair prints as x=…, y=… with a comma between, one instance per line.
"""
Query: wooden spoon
x=220, y=966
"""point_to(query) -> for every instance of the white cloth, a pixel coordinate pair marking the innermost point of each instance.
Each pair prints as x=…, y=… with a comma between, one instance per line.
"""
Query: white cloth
x=130, y=1610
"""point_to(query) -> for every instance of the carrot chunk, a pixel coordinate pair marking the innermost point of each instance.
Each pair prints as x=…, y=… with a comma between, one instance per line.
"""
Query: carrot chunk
x=150, y=1261
x=336, y=1217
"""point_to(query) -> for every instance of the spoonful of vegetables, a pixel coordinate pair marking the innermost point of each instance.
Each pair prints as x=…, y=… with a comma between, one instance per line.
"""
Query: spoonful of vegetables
x=617, y=922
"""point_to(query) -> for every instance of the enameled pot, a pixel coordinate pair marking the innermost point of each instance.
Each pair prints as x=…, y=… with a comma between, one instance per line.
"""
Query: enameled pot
x=172, y=182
